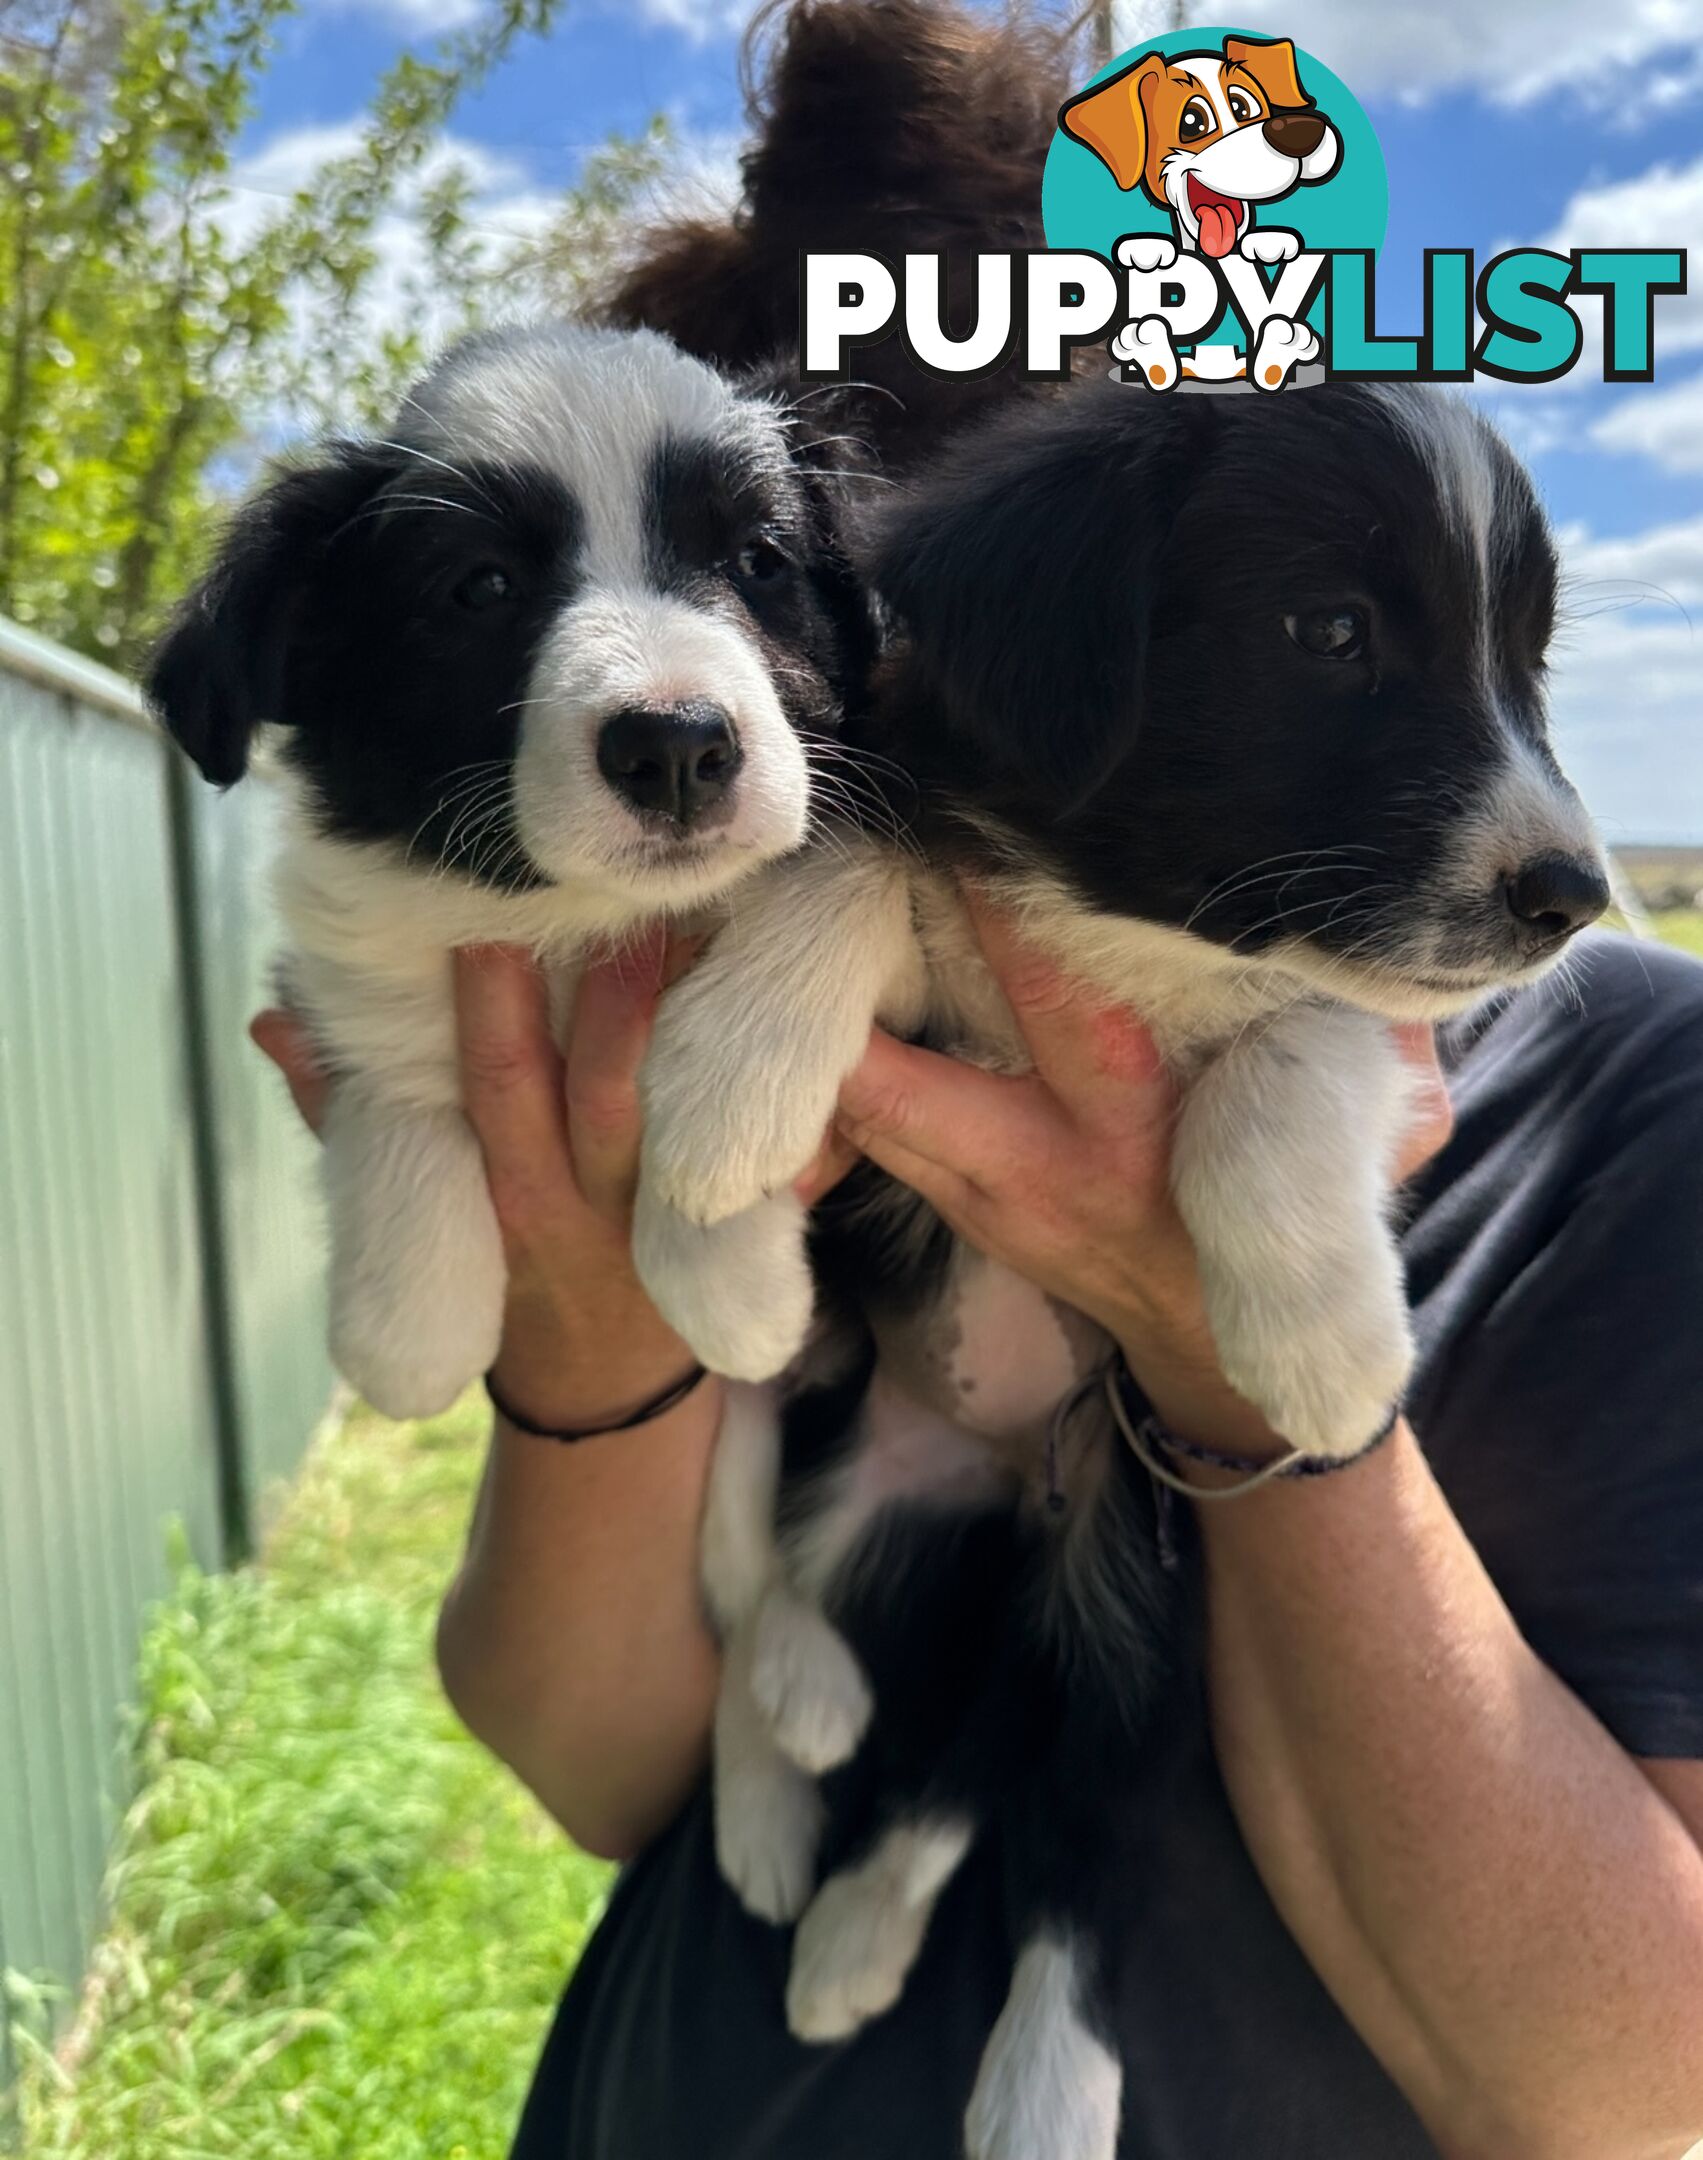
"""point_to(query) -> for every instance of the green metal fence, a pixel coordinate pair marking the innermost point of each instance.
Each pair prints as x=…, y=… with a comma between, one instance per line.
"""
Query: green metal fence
x=161, y=1303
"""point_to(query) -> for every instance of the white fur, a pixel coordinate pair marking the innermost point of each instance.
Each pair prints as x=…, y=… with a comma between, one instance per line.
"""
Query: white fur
x=860, y=1937
x=417, y=1267
x=768, y=1813
x=1047, y=2088
x=807, y=1683
x=1292, y=1112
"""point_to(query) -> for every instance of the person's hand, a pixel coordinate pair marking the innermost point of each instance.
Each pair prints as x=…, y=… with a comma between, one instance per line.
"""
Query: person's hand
x=582, y=1343
x=1063, y=1174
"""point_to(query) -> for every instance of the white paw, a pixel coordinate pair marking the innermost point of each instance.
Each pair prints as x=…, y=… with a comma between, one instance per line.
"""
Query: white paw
x=807, y=1682
x=1283, y=347
x=404, y=1375
x=740, y=1292
x=1146, y=346
x=857, y=1943
x=768, y=1813
x=1047, y=2088
x=1147, y=251
x=719, y=1139
x=1324, y=1360
x=1270, y=244
x=418, y=1277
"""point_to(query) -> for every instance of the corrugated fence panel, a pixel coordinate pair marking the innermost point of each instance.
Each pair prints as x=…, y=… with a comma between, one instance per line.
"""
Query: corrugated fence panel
x=273, y=1219
x=109, y=1419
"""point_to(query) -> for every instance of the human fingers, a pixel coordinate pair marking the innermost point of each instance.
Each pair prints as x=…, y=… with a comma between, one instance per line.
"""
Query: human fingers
x=914, y=1111
x=1098, y=1058
x=614, y=1009
x=511, y=1083
x=280, y=1036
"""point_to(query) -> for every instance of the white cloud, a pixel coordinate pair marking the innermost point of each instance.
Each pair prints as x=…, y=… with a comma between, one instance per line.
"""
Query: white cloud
x=1662, y=424
x=1627, y=695
x=1513, y=51
x=1668, y=558
x=700, y=20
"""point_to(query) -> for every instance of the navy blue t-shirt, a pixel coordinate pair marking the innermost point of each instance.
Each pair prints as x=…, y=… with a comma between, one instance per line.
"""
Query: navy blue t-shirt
x=1555, y=1263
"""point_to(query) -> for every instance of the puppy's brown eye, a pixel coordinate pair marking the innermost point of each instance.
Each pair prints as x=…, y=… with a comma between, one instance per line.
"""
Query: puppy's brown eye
x=1197, y=121
x=487, y=587
x=1242, y=107
x=761, y=562
x=1330, y=633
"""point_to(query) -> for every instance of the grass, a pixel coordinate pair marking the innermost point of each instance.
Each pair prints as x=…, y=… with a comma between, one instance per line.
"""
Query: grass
x=1682, y=927
x=338, y=1928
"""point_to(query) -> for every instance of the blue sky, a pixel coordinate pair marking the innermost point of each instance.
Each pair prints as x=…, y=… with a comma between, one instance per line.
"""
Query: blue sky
x=1502, y=121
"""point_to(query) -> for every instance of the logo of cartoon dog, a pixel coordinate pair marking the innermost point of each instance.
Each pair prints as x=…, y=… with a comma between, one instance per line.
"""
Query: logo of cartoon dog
x=1209, y=136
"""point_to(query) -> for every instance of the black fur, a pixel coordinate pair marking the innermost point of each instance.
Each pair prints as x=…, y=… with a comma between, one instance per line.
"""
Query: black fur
x=350, y=604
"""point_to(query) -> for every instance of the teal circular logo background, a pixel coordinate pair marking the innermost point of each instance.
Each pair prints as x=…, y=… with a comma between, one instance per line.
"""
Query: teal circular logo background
x=1082, y=206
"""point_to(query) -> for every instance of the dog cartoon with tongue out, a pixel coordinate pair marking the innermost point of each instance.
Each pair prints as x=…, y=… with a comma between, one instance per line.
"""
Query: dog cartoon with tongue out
x=1213, y=137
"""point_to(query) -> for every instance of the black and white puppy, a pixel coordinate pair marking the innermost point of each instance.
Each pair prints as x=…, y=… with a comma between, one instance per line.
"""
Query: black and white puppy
x=1239, y=705
x=549, y=660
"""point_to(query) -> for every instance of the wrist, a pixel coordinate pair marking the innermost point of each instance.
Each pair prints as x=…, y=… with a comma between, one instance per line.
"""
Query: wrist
x=1191, y=1397
x=565, y=1370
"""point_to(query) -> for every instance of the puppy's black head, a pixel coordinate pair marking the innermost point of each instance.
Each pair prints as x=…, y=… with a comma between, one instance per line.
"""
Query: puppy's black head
x=1266, y=670
x=572, y=625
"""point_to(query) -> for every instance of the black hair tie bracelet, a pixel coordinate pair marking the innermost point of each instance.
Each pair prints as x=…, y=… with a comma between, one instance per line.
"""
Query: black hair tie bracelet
x=658, y=1406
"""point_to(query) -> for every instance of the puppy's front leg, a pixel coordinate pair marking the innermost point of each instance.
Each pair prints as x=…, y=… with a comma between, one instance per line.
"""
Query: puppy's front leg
x=417, y=1269
x=740, y=1083
x=1283, y=1154
x=750, y=1049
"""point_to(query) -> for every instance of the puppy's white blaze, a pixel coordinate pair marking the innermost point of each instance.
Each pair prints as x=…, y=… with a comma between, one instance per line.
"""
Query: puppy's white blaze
x=1459, y=448
x=860, y=1937
x=499, y=397
x=622, y=647
x=1048, y=2089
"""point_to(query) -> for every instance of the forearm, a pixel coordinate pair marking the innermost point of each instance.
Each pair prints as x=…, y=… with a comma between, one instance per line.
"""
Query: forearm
x=1492, y=1889
x=573, y=1641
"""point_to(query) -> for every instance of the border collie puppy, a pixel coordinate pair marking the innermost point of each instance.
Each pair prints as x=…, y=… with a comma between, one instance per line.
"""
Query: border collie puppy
x=549, y=660
x=1238, y=704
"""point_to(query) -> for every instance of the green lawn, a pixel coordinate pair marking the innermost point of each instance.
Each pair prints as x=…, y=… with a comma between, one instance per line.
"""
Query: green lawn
x=338, y=1928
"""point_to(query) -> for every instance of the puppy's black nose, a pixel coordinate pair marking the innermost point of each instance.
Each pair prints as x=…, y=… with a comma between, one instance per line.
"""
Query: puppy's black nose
x=1295, y=134
x=676, y=764
x=1554, y=895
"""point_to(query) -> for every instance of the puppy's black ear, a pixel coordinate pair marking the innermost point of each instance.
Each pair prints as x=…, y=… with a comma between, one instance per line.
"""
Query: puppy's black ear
x=221, y=668
x=1024, y=569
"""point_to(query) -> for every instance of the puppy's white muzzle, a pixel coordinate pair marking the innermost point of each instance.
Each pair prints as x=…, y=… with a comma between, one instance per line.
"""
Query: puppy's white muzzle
x=615, y=652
